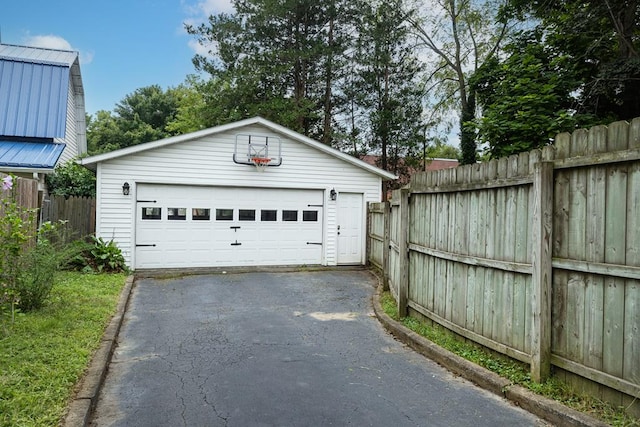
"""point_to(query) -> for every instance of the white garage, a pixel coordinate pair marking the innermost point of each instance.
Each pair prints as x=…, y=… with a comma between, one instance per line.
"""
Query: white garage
x=251, y=193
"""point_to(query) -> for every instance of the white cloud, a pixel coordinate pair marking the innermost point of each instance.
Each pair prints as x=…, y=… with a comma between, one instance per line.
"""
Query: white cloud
x=49, y=42
x=199, y=12
x=52, y=41
x=198, y=48
x=209, y=7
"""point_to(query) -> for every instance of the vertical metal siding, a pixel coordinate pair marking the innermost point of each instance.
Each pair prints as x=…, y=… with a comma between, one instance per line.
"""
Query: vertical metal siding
x=33, y=99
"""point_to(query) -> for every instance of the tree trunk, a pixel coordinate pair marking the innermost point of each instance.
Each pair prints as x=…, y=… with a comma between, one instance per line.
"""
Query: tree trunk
x=467, y=136
x=328, y=105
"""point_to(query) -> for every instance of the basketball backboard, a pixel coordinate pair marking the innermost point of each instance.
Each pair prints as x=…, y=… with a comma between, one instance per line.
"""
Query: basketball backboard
x=251, y=149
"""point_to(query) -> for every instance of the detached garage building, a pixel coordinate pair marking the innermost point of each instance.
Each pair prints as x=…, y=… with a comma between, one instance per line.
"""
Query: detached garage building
x=250, y=193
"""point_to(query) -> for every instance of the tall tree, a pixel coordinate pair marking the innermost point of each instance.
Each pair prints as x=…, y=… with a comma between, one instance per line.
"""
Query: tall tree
x=386, y=83
x=460, y=35
x=278, y=60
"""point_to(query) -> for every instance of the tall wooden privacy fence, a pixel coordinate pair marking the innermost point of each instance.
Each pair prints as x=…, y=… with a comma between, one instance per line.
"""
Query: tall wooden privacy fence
x=25, y=192
x=536, y=256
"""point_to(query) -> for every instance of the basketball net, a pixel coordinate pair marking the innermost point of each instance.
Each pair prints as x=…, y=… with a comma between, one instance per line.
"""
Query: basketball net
x=260, y=163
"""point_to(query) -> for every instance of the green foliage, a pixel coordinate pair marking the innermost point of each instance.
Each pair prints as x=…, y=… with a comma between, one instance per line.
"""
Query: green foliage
x=48, y=350
x=526, y=98
x=71, y=179
x=141, y=116
x=290, y=62
x=441, y=150
x=458, y=36
x=29, y=259
x=100, y=256
x=601, y=41
x=191, y=114
x=385, y=85
x=468, y=146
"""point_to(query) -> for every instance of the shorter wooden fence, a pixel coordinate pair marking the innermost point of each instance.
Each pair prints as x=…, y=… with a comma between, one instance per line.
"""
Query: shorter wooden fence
x=79, y=213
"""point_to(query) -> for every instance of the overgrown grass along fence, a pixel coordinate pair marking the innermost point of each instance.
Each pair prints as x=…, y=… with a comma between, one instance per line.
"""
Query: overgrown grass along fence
x=536, y=256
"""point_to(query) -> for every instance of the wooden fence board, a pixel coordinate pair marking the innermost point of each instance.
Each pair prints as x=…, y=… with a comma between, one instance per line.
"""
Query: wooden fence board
x=594, y=252
x=472, y=249
x=522, y=221
x=632, y=320
x=562, y=191
x=613, y=288
x=499, y=239
x=631, y=368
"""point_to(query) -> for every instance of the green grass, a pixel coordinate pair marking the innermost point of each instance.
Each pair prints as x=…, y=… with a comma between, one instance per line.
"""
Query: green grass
x=514, y=371
x=46, y=351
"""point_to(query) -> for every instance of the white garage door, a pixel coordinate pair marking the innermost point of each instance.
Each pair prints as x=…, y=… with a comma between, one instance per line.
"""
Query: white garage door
x=182, y=226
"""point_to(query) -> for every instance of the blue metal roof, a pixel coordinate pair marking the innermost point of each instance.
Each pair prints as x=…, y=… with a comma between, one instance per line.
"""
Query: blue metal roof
x=32, y=155
x=33, y=98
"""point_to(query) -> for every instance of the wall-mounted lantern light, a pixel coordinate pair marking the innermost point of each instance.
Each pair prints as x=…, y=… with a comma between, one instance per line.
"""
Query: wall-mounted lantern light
x=332, y=194
x=125, y=188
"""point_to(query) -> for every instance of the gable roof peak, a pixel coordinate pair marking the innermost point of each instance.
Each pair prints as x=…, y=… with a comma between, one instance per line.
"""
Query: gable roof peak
x=92, y=161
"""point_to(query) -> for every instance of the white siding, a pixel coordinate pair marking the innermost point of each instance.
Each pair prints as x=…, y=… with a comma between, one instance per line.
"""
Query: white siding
x=208, y=161
x=71, y=132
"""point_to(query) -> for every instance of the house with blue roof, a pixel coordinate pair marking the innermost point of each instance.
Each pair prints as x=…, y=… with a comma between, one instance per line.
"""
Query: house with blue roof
x=42, y=110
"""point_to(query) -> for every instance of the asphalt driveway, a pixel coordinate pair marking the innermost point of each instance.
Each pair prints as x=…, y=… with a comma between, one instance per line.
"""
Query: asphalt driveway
x=278, y=349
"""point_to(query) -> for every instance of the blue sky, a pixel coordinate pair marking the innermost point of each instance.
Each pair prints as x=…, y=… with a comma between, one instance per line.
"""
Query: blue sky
x=124, y=44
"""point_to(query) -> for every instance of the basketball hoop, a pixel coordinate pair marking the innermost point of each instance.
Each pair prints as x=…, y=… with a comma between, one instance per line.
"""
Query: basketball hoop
x=260, y=163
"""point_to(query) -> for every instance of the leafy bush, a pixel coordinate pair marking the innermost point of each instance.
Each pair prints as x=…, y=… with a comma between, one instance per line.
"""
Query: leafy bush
x=71, y=179
x=101, y=256
x=29, y=256
x=38, y=264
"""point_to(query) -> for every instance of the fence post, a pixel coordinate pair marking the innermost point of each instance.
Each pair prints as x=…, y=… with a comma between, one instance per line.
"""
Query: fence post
x=387, y=246
x=367, y=256
x=542, y=271
x=403, y=265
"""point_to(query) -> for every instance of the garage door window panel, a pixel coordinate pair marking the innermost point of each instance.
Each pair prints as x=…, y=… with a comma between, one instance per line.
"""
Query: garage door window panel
x=224, y=214
x=289, y=216
x=177, y=214
x=151, y=213
x=309, y=216
x=268, y=215
x=247, y=215
x=201, y=214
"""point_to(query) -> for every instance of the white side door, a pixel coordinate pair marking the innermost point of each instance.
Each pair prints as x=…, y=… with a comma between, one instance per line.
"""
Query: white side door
x=350, y=237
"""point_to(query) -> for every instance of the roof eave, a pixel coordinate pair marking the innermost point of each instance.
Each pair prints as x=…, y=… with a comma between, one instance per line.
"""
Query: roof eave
x=26, y=169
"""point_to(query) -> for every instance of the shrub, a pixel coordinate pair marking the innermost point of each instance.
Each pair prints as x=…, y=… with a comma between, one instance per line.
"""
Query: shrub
x=39, y=262
x=71, y=179
x=100, y=256
x=29, y=257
